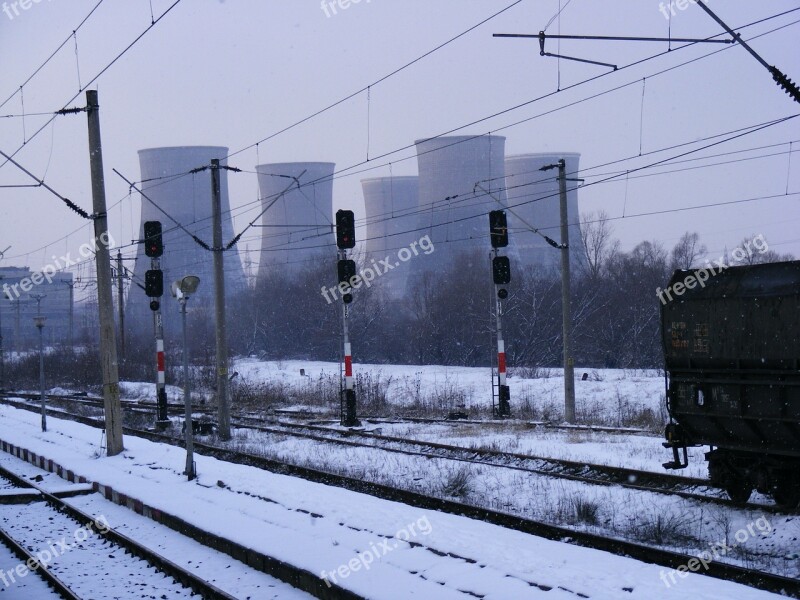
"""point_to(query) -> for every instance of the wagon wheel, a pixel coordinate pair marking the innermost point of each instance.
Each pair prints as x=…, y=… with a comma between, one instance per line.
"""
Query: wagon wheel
x=739, y=490
x=787, y=493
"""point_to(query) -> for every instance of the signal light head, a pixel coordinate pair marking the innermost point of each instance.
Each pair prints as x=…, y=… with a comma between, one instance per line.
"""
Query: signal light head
x=498, y=229
x=347, y=298
x=154, y=305
x=154, y=283
x=502, y=293
x=153, y=245
x=345, y=229
x=501, y=270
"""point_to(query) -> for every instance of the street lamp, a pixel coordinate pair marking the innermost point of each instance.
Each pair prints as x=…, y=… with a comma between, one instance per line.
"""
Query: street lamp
x=39, y=320
x=181, y=290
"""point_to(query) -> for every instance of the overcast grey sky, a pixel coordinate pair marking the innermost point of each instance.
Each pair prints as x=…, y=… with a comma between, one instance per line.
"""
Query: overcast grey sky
x=232, y=72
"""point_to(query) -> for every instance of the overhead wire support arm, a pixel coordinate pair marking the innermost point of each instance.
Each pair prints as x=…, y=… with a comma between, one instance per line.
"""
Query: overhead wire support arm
x=780, y=78
x=542, y=37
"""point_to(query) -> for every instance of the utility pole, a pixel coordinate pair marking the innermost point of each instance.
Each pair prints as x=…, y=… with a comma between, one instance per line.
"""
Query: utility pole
x=2, y=352
x=105, y=298
x=71, y=285
x=566, y=310
x=39, y=321
x=223, y=400
x=121, y=305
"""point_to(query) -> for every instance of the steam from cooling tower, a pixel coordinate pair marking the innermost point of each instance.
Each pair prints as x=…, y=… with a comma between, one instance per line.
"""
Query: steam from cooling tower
x=533, y=196
x=297, y=229
x=452, y=208
x=187, y=199
x=391, y=209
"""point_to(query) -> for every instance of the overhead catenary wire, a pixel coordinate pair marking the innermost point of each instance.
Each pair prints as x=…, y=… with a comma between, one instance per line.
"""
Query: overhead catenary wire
x=379, y=80
x=98, y=75
x=52, y=55
x=783, y=13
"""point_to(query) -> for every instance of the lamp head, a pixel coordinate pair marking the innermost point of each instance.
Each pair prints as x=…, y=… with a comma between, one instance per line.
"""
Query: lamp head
x=184, y=287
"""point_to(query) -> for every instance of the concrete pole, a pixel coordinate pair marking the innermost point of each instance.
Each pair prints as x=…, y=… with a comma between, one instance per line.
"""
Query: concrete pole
x=187, y=399
x=223, y=400
x=349, y=419
x=569, y=363
x=105, y=298
x=162, y=418
x=17, y=340
x=2, y=351
x=121, y=304
x=71, y=285
x=40, y=327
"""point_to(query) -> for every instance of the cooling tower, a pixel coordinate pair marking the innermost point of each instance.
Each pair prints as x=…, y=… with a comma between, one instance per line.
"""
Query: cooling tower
x=452, y=208
x=297, y=225
x=391, y=209
x=534, y=196
x=187, y=199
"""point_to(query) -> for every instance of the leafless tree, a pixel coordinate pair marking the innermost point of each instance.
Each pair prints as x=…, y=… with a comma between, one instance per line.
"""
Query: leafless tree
x=687, y=252
x=596, y=233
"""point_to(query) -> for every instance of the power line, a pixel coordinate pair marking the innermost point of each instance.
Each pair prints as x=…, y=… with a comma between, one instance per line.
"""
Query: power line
x=376, y=82
x=49, y=58
x=96, y=77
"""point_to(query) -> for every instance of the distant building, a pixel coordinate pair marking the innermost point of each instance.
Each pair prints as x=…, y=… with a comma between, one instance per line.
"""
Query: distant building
x=24, y=292
x=533, y=196
x=186, y=197
x=391, y=219
x=461, y=179
x=297, y=224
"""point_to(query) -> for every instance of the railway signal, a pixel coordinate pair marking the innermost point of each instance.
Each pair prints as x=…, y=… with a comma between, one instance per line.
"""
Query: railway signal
x=346, y=271
x=498, y=229
x=154, y=288
x=345, y=229
x=153, y=244
x=154, y=283
x=501, y=270
x=501, y=275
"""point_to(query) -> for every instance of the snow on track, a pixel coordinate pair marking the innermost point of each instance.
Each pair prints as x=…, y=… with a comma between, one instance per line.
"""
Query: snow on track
x=89, y=565
x=322, y=528
x=30, y=587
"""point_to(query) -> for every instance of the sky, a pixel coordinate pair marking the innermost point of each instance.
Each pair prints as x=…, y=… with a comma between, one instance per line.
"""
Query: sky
x=234, y=72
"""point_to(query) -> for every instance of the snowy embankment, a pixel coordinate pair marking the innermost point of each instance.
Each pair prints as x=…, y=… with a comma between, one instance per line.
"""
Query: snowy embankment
x=327, y=529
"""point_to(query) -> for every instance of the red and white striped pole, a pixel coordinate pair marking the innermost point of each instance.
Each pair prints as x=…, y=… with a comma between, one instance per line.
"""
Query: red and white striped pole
x=160, y=362
x=349, y=418
x=503, y=392
x=501, y=359
x=162, y=418
x=348, y=365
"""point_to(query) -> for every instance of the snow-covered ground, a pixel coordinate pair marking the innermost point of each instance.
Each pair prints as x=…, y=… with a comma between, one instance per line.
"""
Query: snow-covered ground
x=326, y=529
x=607, y=394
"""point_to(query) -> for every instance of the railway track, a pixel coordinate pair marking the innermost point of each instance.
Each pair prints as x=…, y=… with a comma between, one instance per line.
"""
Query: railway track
x=758, y=579
x=684, y=487
x=649, y=481
x=62, y=544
